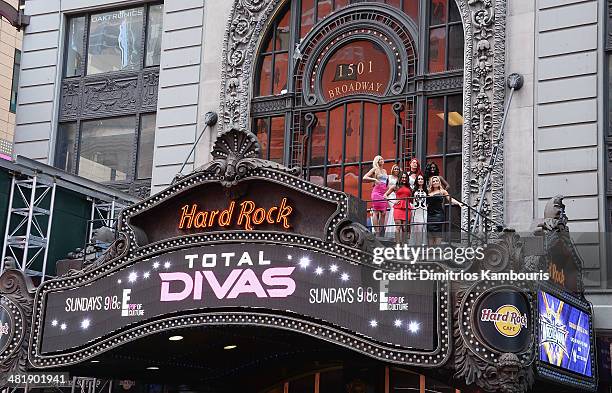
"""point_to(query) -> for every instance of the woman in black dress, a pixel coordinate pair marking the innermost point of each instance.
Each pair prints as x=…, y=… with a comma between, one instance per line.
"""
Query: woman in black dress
x=436, y=215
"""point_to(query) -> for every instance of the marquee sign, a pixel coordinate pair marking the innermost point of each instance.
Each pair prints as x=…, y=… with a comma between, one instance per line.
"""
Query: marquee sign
x=252, y=205
x=242, y=242
x=293, y=281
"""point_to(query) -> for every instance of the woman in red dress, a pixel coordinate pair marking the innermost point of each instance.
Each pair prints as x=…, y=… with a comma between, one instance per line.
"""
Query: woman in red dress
x=401, y=212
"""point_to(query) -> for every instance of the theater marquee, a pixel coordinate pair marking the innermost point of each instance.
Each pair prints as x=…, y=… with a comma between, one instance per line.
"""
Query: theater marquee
x=253, y=246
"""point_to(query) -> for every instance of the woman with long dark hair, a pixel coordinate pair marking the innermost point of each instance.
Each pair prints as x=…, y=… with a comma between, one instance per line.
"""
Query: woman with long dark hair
x=432, y=170
x=418, y=225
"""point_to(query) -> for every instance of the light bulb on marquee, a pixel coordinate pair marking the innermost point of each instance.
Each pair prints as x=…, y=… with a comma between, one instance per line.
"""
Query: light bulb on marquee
x=132, y=277
x=345, y=277
x=373, y=323
x=319, y=271
x=398, y=323
x=146, y=275
x=414, y=327
x=333, y=268
x=54, y=323
x=167, y=265
x=63, y=326
x=85, y=323
x=156, y=265
x=304, y=262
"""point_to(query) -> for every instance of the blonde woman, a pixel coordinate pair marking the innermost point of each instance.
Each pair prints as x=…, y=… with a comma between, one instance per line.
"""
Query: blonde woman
x=390, y=227
x=378, y=176
x=436, y=216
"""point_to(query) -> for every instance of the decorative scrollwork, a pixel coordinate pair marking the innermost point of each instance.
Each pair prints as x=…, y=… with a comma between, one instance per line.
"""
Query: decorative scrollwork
x=71, y=99
x=16, y=301
x=235, y=153
x=484, y=41
x=150, y=87
x=356, y=235
x=117, y=249
x=503, y=253
x=110, y=95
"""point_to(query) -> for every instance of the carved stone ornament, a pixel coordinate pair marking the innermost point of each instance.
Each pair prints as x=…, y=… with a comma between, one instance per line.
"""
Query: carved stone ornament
x=118, y=248
x=356, y=235
x=235, y=153
x=555, y=218
x=16, y=301
x=484, y=23
x=476, y=363
x=110, y=95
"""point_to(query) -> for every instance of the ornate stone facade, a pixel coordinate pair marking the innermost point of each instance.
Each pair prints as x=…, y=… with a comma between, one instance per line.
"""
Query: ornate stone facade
x=484, y=24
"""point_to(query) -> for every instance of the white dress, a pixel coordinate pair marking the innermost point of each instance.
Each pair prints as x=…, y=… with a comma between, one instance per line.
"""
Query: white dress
x=418, y=229
x=390, y=222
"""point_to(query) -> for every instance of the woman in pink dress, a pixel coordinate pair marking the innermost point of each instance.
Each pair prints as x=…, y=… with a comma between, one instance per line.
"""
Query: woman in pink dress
x=378, y=175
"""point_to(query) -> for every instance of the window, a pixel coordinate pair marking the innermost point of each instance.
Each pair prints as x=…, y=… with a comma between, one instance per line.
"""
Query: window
x=445, y=36
x=103, y=151
x=275, y=59
x=110, y=143
x=117, y=40
x=443, y=142
x=74, y=46
x=344, y=103
x=15, y=84
x=270, y=132
x=316, y=10
x=154, y=33
x=346, y=138
x=146, y=143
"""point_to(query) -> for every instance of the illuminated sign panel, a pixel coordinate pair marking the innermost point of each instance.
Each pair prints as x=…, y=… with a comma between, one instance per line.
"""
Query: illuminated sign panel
x=503, y=320
x=211, y=207
x=565, y=335
x=359, y=67
x=260, y=278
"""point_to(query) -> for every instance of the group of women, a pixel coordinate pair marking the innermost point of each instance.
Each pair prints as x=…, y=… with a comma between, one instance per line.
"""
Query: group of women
x=408, y=199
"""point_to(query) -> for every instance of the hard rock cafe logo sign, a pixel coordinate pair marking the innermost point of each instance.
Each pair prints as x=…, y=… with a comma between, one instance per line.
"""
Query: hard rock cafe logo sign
x=507, y=319
x=246, y=214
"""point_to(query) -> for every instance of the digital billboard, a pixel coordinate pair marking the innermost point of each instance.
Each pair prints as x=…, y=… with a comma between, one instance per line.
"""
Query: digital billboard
x=264, y=278
x=565, y=335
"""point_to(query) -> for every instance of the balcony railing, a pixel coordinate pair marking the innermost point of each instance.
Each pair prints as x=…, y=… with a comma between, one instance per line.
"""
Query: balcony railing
x=451, y=230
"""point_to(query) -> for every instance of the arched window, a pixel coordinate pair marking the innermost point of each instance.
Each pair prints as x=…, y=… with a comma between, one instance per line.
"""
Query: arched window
x=338, y=82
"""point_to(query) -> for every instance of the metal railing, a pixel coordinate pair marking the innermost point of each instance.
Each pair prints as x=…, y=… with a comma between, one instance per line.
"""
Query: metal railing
x=451, y=230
